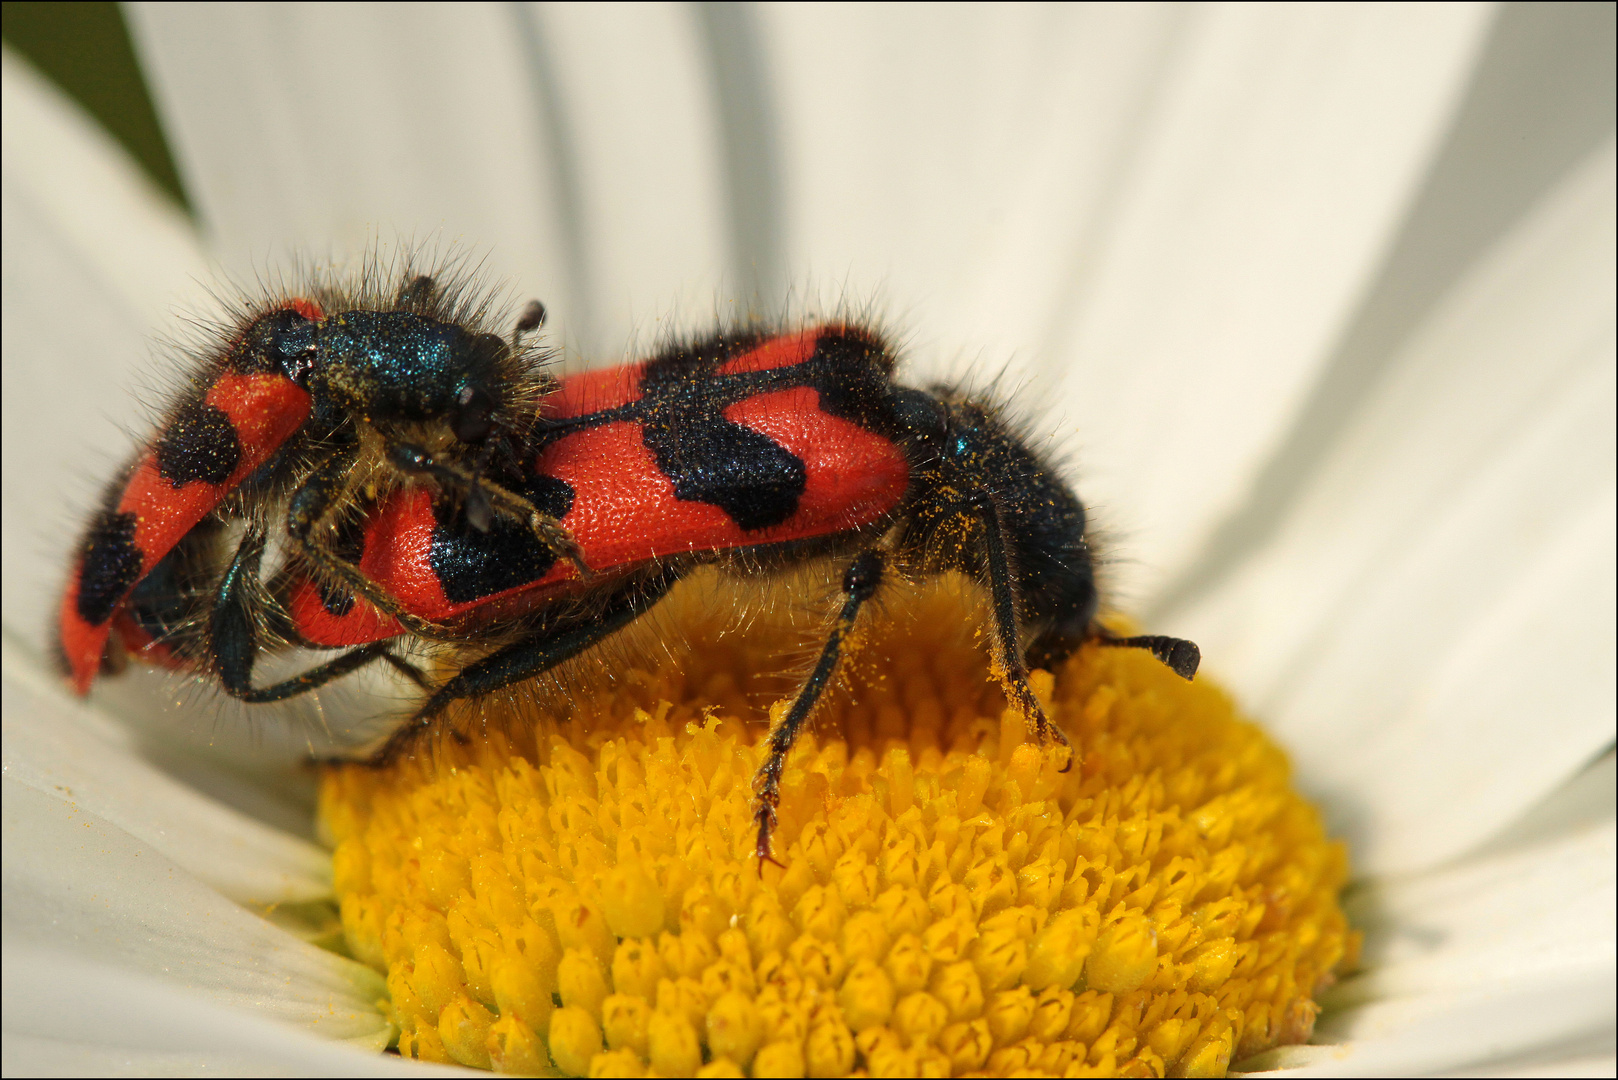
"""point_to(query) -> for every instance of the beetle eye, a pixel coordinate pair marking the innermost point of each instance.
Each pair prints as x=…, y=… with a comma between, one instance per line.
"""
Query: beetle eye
x=473, y=415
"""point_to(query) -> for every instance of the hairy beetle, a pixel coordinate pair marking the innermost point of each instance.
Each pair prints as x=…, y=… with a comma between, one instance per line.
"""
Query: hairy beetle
x=302, y=412
x=745, y=451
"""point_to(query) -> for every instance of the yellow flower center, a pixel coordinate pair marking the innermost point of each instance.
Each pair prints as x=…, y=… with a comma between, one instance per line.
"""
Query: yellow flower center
x=575, y=889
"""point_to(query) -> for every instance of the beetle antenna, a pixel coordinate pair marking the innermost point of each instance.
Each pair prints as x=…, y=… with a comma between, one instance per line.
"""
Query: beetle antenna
x=532, y=318
x=1177, y=654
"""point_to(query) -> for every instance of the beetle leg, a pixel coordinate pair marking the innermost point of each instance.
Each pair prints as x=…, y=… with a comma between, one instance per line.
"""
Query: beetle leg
x=535, y=654
x=860, y=582
x=1177, y=654
x=407, y=669
x=1006, y=653
x=484, y=497
x=547, y=529
x=233, y=635
x=309, y=517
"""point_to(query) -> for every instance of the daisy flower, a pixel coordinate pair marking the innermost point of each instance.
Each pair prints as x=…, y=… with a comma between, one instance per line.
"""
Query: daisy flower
x=1322, y=299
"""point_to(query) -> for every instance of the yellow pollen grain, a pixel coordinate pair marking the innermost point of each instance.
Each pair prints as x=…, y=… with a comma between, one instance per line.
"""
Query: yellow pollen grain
x=579, y=893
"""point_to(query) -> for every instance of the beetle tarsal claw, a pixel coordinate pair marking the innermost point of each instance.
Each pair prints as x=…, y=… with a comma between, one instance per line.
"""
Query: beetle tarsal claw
x=560, y=541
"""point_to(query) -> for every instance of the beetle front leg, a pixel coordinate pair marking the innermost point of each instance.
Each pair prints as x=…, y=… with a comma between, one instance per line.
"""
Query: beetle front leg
x=484, y=499
x=860, y=582
x=233, y=635
x=310, y=515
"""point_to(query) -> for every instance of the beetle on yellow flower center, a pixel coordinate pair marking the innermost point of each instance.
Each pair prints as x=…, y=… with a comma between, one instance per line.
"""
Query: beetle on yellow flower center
x=577, y=889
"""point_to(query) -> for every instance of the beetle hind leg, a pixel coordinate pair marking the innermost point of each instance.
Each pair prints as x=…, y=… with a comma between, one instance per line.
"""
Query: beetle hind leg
x=1007, y=662
x=532, y=655
x=860, y=583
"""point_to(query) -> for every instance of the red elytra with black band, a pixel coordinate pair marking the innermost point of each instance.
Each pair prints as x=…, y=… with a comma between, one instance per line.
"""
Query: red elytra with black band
x=624, y=510
x=158, y=506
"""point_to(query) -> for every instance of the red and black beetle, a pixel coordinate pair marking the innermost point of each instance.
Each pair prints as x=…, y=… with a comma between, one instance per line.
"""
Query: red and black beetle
x=751, y=453
x=311, y=407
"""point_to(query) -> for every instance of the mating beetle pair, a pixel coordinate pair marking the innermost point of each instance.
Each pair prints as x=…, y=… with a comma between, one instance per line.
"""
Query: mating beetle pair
x=433, y=483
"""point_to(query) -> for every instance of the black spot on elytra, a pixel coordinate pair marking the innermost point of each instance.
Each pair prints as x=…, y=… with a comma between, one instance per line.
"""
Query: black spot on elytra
x=110, y=566
x=850, y=374
x=747, y=475
x=471, y=565
x=200, y=444
x=708, y=458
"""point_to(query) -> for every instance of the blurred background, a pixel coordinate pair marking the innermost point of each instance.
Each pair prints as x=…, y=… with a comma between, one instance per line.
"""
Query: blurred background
x=961, y=172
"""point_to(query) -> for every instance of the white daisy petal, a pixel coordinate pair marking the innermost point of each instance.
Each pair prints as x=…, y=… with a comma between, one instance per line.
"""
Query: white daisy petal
x=1585, y=802
x=93, y=258
x=59, y=426
x=69, y=1016
x=80, y=313
x=1169, y=212
x=1432, y=1033
x=1541, y=914
x=1421, y=632
x=76, y=882
x=67, y=750
x=1504, y=961
x=1264, y=207
x=318, y=133
x=1599, y=1061
x=636, y=108
x=60, y=161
